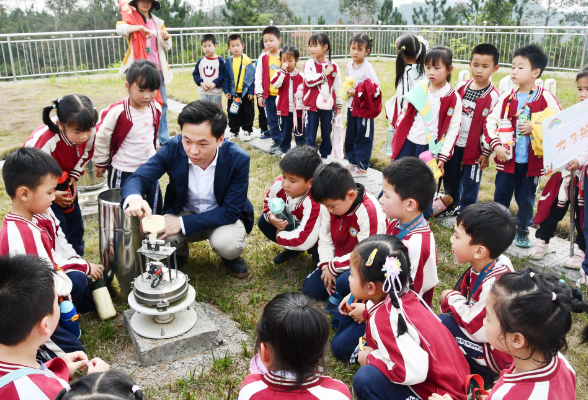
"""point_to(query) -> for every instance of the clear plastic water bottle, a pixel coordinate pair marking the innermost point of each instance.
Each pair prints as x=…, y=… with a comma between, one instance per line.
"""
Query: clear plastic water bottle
x=388, y=151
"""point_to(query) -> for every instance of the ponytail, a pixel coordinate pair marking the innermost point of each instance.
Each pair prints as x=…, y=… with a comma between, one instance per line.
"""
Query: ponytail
x=75, y=111
x=47, y=117
x=412, y=46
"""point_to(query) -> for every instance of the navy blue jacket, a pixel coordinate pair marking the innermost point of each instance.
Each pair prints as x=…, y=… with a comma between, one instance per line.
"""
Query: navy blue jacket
x=231, y=182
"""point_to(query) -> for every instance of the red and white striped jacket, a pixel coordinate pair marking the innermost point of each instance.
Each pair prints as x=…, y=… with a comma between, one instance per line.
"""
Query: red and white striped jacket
x=476, y=144
x=423, y=258
x=542, y=100
x=469, y=315
x=41, y=237
x=555, y=381
x=280, y=82
x=71, y=157
x=37, y=386
x=314, y=78
x=278, y=385
x=113, y=127
x=341, y=233
x=427, y=360
x=305, y=209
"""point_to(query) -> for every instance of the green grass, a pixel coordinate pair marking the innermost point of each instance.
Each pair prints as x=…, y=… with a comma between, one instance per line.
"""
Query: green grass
x=242, y=300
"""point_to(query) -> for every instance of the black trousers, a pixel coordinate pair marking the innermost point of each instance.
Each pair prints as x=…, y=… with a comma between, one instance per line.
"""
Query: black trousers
x=547, y=228
x=244, y=119
x=262, y=118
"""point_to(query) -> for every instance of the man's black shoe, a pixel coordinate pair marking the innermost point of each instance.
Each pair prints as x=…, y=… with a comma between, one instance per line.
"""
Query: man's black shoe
x=286, y=256
x=236, y=267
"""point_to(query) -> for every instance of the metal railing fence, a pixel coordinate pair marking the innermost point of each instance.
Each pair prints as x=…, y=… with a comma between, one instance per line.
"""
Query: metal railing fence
x=73, y=53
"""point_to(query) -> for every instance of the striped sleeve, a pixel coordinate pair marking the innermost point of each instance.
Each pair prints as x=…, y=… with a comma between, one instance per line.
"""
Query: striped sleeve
x=87, y=156
x=326, y=248
x=491, y=128
x=104, y=130
x=311, y=77
x=307, y=233
x=272, y=193
x=64, y=254
x=486, y=149
x=278, y=78
x=423, y=260
x=452, y=131
x=43, y=139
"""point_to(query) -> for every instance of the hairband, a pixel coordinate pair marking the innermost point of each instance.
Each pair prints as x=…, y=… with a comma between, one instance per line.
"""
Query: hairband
x=370, y=260
x=403, y=48
x=135, y=388
x=420, y=49
x=392, y=269
x=553, y=296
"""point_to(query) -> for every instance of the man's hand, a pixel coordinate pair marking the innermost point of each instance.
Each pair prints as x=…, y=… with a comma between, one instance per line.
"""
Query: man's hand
x=573, y=165
x=172, y=226
x=97, y=365
x=351, y=92
x=99, y=171
x=501, y=153
x=96, y=271
x=524, y=128
x=229, y=96
x=363, y=355
x=329, y=280
x=261, y=101
x=357, y=313
x=441, y=166
x=279, y=224
x=164, y=34
x=444, y=295
x=137, y=207
x=62, y=198
x=75, y=361
x=483, y=162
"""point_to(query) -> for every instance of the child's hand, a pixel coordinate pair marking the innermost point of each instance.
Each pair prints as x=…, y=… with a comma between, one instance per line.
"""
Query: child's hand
x=342, y=307
x=573, y=165
x=250, y=96
x=444, y=295
x=62, y=198
x=96, y=271
x=329, y=69
x=501, y=153
x=228, y=96
x=97, y=365
x=279, y=224
x=261, y=101
x=351, y=92
x=483, y=161
x=524, y=128
x=73, y=185
x=205, y=86
x=363, y=355
x=441, y=166
x=436, y=396
x=329, y=280
x=357, y=313
x=75, y=361
x=164, y=34
x=99, y=171
x=337, y=111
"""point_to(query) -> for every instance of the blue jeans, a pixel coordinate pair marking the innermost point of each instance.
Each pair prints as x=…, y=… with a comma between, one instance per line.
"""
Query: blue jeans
x=81, y=295
x=369, y=383
x=272, y=120
x=163, y=133
x=346, y=338
x=311, y=123
x=410, y=149
x=359, y=140
x=72, y=225
x=287, y=129
x=524, y=189
x=460, y=180
x=314, y=287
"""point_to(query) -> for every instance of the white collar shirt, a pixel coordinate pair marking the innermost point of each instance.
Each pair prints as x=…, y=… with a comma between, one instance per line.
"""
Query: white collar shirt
x=201, y=187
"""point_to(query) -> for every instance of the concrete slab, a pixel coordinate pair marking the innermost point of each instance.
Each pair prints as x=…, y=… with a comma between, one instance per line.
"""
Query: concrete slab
x=202, y=337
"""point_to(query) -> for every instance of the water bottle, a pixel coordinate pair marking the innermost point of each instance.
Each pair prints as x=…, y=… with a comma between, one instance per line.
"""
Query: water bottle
x=102, y=299
x=63, y=185
x=348, y=84
x=388, y=151
x=69, y=318
x=281, y=211
x=430, y=160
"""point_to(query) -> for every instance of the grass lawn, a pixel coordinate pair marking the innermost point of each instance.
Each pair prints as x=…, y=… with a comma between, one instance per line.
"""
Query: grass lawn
x=242, y=300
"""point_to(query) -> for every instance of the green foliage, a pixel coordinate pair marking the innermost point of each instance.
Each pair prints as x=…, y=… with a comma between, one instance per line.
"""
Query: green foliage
x=389, y=15
x=498, y=12
x=321, y=20
x=241, y=12
x=432, y=14
x=360, y=11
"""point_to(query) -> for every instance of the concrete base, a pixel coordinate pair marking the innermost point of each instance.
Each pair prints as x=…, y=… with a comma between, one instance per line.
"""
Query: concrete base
x=202, y=337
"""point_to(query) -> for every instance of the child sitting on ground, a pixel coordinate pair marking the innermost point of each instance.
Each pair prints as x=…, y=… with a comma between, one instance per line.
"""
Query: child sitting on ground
x=528, y=316
x=30, y=314
x=30, y=177
x=69, y=139
x=291, y=337
x=408, y=350
x=482, y=232
x=350, y=215
x=293, y=187
x=209, y=72
x=109, y=385
x=519, y=169
x=127, y=131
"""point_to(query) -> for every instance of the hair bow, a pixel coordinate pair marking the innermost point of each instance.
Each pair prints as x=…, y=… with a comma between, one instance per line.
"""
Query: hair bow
x=392, y=269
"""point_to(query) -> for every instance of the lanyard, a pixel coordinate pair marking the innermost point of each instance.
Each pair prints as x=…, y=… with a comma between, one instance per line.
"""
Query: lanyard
x=418, y=221
x=487, y=269
x=524, y=105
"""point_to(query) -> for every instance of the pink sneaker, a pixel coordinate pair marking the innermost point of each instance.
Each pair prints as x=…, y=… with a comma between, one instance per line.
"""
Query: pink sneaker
x=576, y=261
x=358, y=173
x=539, y=250
x=351, y=167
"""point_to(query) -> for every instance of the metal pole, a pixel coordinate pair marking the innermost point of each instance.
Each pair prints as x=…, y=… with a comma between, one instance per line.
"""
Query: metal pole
x=584, y=49
x=73, y=55
x=484, y=32
x=182, y=46
x=572, y=207
x=11, y=58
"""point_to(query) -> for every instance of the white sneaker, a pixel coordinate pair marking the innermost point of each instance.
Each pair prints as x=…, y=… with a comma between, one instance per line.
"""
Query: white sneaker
x=247, y=136
x=576, y=261
x=582, y=280
x=539, y=250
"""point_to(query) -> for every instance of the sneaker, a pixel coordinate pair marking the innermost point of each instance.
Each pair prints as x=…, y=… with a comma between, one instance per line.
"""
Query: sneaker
x=265, y=135
x=247, y=136
x=351, y=167
x=279, y=153
x=358, y=172
x=333, y=303
x=232, y=136
x=522, y=240
x=575, y=262
x=286, y=256
x=273, y=148
x=539, y=250
x=236, y=267
x=449, y=212
x=582, y=280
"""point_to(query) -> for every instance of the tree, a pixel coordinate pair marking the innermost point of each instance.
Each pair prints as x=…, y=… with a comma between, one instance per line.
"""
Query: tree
x=552, y=8
x=253, y=12
x=498, y=12
x=389, y=15
x=175, y=13
x=361, y=11
x=432, y=14
x=321, y=20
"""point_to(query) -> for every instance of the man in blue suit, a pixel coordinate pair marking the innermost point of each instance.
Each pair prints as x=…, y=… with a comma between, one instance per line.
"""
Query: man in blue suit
x=206, y=197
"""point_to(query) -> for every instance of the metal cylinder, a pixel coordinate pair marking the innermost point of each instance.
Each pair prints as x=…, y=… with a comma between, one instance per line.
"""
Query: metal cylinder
x=89, y=180
x=120, y=238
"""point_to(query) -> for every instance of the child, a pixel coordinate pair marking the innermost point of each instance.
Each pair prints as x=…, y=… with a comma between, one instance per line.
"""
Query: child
x=110, y=385
x=518, y=170
x=265, y=132
x=293, y=186
x=30, y=314
x=267, y=66
x=481, y=234
x=209, y=73
x=410, y=69
x=528, y=316
x=127, y=131
x=30, y=177
x=322, y=82
x=69, y=139
x=350, y=215
x=287, y=80
x=291, y=337
x=470, y=156
x=550, y=212
x=239, y=86
x=408, y=352
x=412, y=135
x=359, y=137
